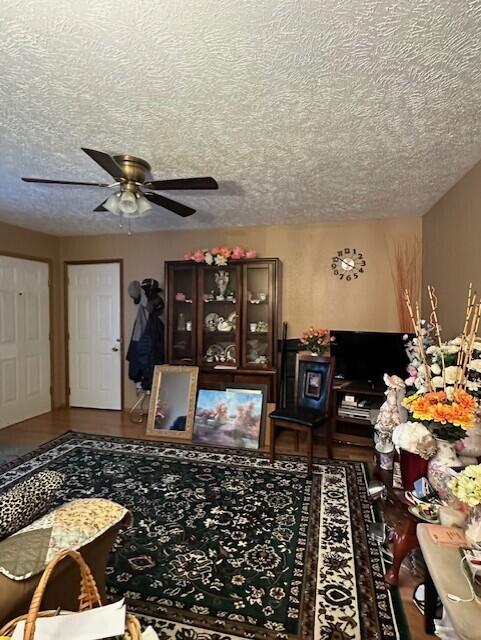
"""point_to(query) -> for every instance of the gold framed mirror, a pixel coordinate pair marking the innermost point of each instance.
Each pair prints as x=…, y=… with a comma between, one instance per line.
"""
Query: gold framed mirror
x=172, y=402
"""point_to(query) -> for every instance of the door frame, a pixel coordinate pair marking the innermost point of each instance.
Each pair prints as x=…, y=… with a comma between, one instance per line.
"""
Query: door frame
x=51, y=332
x=66, y=265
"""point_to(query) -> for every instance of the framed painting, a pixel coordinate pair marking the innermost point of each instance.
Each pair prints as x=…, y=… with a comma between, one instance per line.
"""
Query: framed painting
x=233, y=417
x=172, y=402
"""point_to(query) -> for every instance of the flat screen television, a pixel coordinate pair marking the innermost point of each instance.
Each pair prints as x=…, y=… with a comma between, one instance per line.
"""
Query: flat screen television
x=365, y=356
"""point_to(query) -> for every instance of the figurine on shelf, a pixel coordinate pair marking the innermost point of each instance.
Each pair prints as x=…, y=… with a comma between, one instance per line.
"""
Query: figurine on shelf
x=221, y=279
x=391, y=413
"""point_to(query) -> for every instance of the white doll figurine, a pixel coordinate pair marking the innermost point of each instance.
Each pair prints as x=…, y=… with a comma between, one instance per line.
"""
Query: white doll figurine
x=391, y=412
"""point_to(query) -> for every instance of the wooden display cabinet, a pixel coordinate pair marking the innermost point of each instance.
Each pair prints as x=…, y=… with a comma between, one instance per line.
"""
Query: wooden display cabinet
x=224, y=319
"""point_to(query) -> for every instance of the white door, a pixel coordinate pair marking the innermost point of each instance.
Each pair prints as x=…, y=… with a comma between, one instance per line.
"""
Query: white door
x=94, y=335
x=24, y=340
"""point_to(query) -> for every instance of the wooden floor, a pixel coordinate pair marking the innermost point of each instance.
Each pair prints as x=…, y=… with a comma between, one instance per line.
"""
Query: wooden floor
x=32, y=433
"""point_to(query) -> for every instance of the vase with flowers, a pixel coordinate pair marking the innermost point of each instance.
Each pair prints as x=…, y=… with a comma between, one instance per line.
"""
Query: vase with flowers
x=443, y=400
x=317, y=341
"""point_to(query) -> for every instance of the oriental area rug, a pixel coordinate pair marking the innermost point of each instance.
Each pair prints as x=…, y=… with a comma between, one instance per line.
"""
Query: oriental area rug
x=224, y=545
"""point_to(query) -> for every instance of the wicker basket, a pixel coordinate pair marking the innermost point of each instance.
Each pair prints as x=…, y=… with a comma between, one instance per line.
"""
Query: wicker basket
x=88, y=599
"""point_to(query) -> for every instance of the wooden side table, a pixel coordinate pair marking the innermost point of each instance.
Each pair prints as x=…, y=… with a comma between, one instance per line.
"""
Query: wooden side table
x=401, y=523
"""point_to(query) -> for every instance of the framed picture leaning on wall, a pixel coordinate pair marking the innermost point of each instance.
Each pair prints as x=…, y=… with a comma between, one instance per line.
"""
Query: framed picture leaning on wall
x=172, y=402
x=233, y=417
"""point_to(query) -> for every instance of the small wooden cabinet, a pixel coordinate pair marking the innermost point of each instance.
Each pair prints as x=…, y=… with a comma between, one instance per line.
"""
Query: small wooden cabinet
x=224, y=319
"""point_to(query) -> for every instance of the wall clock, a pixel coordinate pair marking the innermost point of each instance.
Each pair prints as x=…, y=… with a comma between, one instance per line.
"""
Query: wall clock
x=348, y=264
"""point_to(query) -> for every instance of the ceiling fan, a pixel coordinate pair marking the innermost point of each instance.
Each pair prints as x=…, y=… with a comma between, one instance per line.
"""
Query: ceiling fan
x=135, y=188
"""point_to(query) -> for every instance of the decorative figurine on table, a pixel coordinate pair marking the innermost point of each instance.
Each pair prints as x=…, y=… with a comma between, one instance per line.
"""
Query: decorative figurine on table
x=221, y=279
x=391, y=414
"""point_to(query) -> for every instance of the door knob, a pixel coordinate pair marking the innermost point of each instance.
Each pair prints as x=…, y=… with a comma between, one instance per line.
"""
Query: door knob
x=115, y=348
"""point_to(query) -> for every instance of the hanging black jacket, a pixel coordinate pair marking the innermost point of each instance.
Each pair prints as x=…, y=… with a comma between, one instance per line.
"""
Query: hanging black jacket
x=145, y=353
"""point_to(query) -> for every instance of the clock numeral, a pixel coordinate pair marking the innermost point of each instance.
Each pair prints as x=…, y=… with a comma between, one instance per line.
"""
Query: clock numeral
x=341, y=276
x=336, y=272
x=360, y=256
x=348, y=278
x=334, y=265
x=361, y=270
x=347, y=251
x=335, y=258
x=363, y=263
x=339, y=253
x=355, y=275
x=354, y=251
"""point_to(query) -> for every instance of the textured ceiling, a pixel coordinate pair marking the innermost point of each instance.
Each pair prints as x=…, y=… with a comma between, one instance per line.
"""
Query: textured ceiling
x=304, y=110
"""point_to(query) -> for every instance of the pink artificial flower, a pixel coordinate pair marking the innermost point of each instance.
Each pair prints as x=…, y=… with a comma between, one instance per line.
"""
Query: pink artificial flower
x=238, y=253
x=250, y=253
x=215, y=251
x=188, y=255
x=413, y=372
x=198, y=256
x=225, y=252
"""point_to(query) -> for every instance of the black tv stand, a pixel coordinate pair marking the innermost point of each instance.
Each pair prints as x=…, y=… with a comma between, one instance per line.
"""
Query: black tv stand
x=354, y=429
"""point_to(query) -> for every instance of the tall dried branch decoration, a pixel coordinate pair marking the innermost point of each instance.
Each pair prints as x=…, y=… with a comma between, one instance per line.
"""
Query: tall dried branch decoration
x=406, y=274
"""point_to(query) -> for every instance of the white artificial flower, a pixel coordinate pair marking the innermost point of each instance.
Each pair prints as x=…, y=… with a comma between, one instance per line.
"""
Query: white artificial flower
x=405, y=336
x=432, y=349
x=450, y=348
x=475, y=365
x=477, y=346
x=436, y=369
x=450, y=393
x=208, y=257
x=473, y=385
x=451, y=374
x=422, y=370
x=220, y=261
x=437, y=382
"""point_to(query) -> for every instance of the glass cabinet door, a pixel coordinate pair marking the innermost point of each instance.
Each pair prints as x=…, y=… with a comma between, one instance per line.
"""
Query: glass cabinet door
x=219, y=307
x=258, y=315
x=182, y=329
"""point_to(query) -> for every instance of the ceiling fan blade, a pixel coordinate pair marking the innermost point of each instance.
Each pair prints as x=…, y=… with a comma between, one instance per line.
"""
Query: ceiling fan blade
x=107, y=163
x=101, y=206
x=177, y=207
x=182, y=183
x=83, y=184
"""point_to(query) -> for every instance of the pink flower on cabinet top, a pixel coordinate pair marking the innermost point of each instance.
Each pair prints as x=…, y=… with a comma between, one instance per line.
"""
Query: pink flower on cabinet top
x=238, y=253
x=198, y=256
x=215, y=251
x=250, y=253
x=225, y=252
x=188, y=255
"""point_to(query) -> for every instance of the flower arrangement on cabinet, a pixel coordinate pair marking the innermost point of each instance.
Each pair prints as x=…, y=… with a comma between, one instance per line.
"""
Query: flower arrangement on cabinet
x=317, y=340
x=220, y=256
x=446, y=375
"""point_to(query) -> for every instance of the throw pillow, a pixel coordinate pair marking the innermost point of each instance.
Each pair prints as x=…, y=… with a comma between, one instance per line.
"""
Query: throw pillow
x=28, y=500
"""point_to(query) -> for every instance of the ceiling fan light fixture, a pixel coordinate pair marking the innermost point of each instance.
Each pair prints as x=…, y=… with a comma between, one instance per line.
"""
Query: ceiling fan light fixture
x=113, y=204
x=143, y=205
x=128, y=204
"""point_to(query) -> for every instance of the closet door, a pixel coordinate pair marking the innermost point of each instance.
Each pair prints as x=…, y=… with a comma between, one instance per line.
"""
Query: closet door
x=24, y=340
x=94, y=335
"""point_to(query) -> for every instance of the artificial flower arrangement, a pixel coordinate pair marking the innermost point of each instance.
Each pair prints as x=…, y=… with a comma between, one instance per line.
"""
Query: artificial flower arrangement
x=466, y=486
x=316, y=340
x=443, y=372
x=220, y=256
x=416, y=438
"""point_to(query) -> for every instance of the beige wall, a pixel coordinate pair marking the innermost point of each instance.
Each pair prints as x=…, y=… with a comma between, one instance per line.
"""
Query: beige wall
x=311, y=294
x=31, y=244
x=452, y=249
